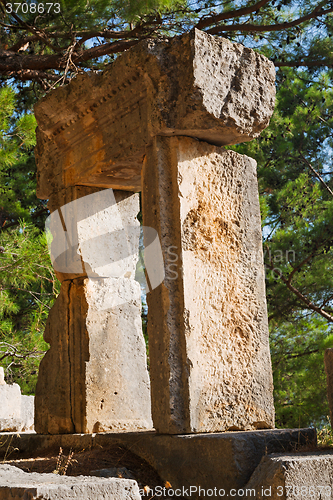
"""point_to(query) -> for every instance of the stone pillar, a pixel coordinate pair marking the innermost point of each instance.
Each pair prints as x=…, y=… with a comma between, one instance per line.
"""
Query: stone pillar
x=207, y=323
x=94, y=377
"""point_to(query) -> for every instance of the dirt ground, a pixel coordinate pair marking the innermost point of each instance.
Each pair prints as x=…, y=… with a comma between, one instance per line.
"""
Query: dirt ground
x=83, y=463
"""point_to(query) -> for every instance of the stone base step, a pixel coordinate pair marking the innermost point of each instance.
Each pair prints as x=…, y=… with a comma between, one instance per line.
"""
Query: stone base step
x=293, y=476
x=19, y=485
x=223, y=460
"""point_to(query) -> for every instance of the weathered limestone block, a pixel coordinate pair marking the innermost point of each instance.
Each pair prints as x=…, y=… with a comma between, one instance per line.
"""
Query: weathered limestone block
x=16, y=411
x=10, y=397
x=293, y=476
x=207, y=322
x=94, y=377
x=16, y=484
x=27, y=412
x=95, y=130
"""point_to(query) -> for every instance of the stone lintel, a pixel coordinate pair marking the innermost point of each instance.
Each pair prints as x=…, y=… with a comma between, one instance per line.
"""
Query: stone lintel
x=94, y=131
x=207, y=322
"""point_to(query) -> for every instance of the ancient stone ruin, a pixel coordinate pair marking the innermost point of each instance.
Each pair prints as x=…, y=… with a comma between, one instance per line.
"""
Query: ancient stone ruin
x=16, y=410
x=156, y=121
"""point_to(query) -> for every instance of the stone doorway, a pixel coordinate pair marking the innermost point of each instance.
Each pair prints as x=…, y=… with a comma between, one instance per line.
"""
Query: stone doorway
x=156, y=122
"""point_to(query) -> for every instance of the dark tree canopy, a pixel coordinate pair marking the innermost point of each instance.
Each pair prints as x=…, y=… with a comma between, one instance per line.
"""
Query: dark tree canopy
x=50, y=42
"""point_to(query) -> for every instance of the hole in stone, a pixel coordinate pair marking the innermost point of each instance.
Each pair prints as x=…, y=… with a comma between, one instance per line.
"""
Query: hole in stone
x=115, y=392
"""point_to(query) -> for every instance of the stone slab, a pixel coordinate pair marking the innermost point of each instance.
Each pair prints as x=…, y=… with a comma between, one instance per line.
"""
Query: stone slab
x=222, y=460
x=210, y=365
x=27, y=412
x=10, y=397
x=293, y=477
x=16, y=411
x=94, y=131
x=16, y=484
x=10, y=424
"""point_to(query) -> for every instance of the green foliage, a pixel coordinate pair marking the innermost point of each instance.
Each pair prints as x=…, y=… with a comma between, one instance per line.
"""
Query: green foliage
x=134, y=10
x=17, y=166
x=27, y=282
x=297, y=214
x=27, y=290
x=325, y=435
x=297, y=349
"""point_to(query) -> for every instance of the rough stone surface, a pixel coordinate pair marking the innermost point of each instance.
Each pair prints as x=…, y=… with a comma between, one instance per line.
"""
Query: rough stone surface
x=10, y=425
x=328, y=361
x=27, y=412
x=16, y=411
x=293, y=477
x=223, y=460
x=10, y=407
x=16, y=484
x=10, y=397
x=94, y=131
x=94, y=377
x=2, y=376
x=210, y=362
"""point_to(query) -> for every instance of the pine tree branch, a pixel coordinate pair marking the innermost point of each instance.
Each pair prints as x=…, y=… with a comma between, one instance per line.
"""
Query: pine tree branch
x=316, y=174
x=300, y=354
x=12, y=350
x=27, y=74
x=17, y=222
x=304, y=261
x=104, y=49
x=299, y=63
x=19, y=65
x=255, y=28
x=12, y=62
x=83, y=34
x=327, y=301
x=203, y=23
x=32, y=29
x=300, y=296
